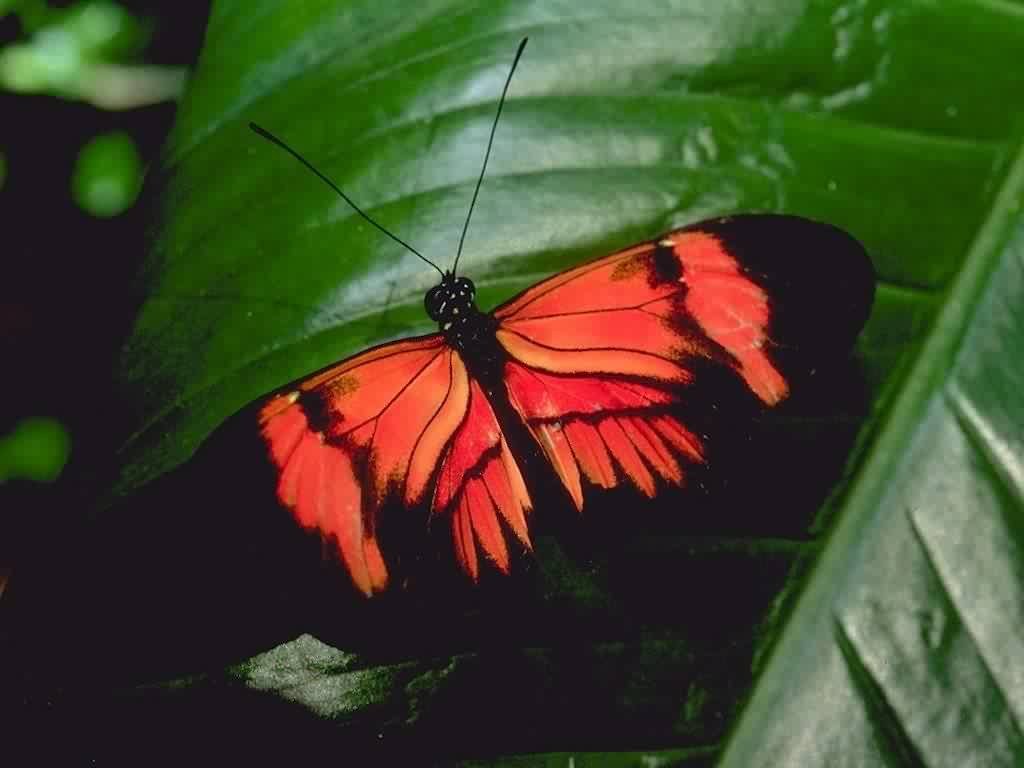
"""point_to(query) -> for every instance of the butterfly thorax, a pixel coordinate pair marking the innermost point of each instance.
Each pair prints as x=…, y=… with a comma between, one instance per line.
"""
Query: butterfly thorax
x=452, y=304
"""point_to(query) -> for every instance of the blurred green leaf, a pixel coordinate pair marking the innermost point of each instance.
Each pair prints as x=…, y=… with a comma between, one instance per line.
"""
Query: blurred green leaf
x=107, y=175
x=68, y=49
x=32, y=14
x=36, y=449
x=104, y=30
x=898, y=121
x=51, y=63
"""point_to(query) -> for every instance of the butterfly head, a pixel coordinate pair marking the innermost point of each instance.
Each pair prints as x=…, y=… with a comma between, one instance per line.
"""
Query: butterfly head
x=451, y=301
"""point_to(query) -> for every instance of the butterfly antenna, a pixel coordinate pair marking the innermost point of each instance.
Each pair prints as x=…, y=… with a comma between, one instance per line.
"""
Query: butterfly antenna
x=487, y=153
x=274, y=140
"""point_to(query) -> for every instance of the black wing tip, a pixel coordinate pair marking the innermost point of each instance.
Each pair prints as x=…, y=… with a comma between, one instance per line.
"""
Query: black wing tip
x=820, y=278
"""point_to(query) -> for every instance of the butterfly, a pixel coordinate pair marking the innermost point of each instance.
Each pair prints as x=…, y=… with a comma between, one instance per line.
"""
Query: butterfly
x=590, y=364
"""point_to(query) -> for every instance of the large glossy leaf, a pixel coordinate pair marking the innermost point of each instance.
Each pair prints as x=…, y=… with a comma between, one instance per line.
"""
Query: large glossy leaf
x=906, y=647
x=895, y=120
x=618, y=125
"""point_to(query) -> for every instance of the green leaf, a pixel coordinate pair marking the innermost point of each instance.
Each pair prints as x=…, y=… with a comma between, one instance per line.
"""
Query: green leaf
x=107, y=175
x=895, y=120
x=912, y=620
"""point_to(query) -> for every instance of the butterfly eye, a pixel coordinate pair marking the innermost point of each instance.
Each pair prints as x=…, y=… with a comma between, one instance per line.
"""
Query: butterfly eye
x=432, y=302
x=464, y=288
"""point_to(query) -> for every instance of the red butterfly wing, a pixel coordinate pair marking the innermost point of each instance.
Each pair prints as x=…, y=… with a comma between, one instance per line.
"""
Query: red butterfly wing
x=599, y=352
x=377, y=428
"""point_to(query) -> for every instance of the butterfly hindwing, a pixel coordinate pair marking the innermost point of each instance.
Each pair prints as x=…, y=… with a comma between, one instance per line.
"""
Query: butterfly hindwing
x=480, y=486
x=602, y=428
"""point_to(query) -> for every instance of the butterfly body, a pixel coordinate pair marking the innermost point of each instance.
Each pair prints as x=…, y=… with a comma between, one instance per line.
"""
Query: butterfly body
x=452, y=305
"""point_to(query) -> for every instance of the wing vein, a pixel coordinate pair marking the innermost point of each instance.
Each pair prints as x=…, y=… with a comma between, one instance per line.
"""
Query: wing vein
x=588, y=349
x=440, y=406
x=598, y=311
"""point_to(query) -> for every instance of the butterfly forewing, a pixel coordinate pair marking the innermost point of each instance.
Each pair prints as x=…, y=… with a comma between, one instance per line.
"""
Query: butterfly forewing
x=350, y=437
